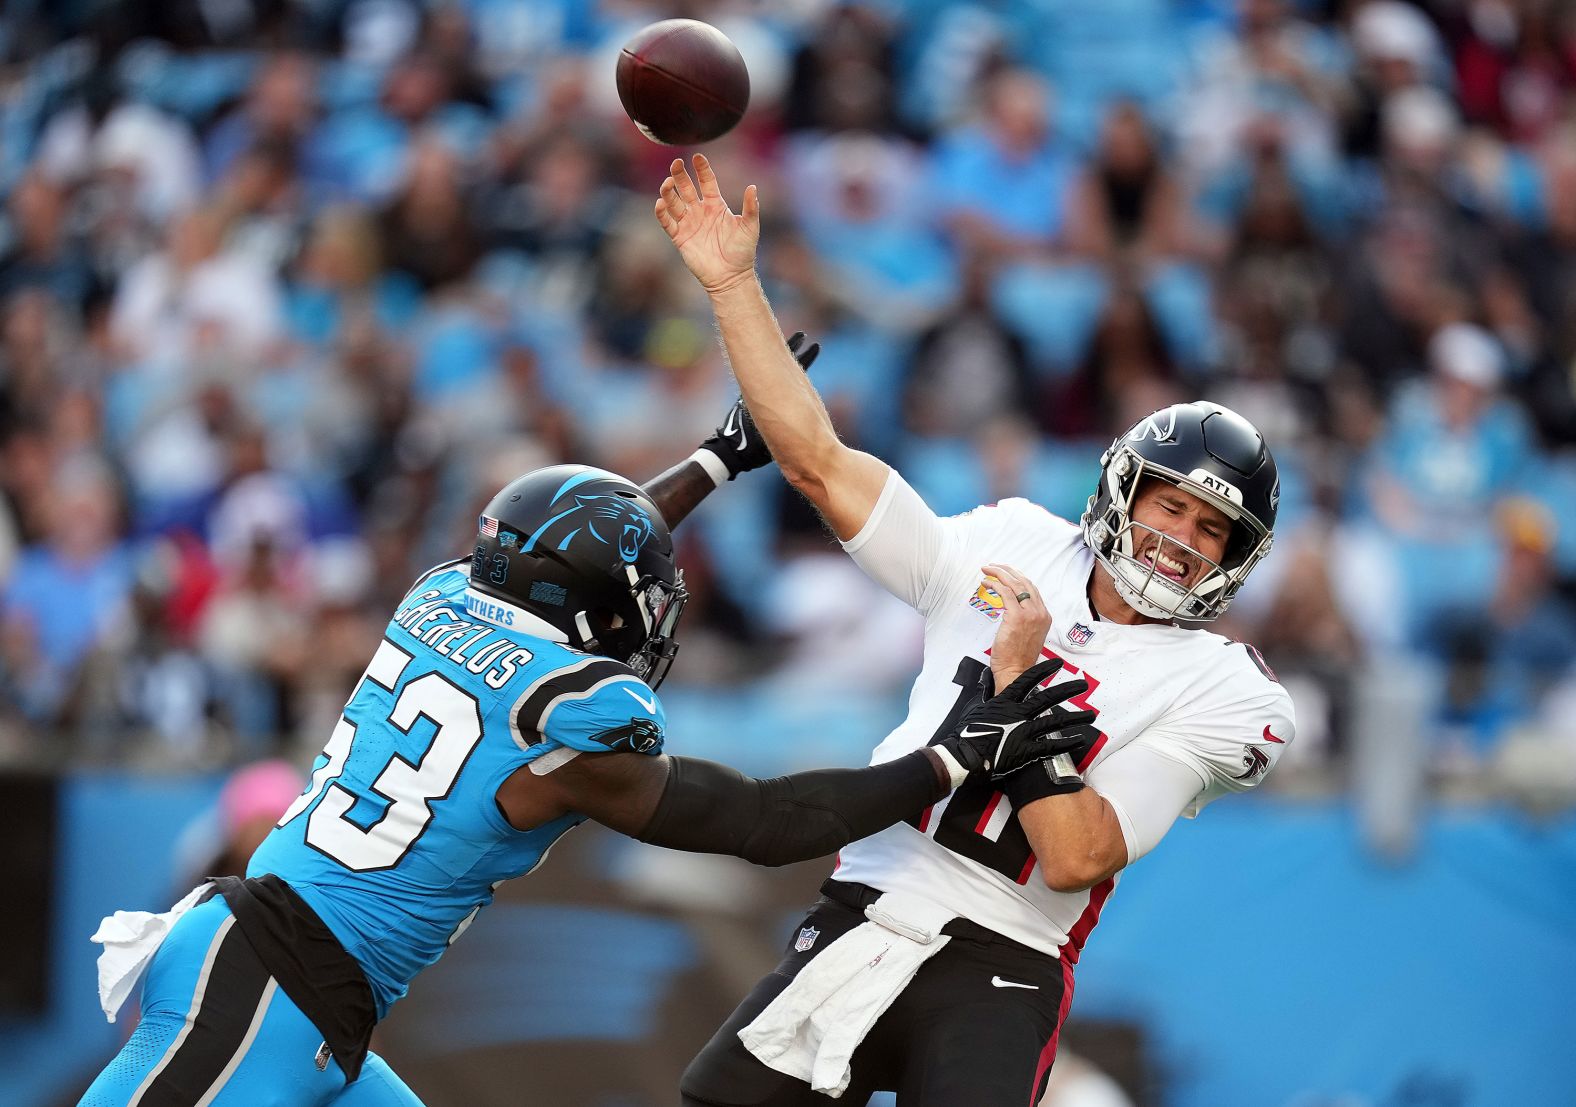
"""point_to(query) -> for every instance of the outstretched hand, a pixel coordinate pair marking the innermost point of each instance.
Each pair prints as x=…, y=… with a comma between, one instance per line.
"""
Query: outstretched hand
x=1021, y=724
x=717, y=245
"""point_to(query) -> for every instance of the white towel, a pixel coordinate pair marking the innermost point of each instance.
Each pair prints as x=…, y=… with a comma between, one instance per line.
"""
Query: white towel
x=810, y=1031
x=130, y=939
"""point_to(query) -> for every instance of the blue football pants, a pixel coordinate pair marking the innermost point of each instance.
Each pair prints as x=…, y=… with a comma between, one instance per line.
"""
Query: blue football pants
x=216, y=1030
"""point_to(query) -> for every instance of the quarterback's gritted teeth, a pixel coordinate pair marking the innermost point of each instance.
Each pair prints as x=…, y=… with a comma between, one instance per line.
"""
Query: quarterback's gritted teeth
x=1169, y=566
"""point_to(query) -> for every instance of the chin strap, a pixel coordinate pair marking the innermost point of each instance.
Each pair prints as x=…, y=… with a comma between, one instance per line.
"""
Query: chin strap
x=583, y=628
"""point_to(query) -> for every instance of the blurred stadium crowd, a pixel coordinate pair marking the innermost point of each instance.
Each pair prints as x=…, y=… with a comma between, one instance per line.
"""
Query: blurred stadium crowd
x=288, y=287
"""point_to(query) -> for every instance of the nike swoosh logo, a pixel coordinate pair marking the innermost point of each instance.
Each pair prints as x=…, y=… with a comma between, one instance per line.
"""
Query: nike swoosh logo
x=1000, y=983
x=650, y=705
x=972, y=732
x=732, y=425
x=1268, y=737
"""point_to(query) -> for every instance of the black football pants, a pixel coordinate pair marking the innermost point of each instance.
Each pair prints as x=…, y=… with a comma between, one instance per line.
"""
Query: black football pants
x=976, y=1027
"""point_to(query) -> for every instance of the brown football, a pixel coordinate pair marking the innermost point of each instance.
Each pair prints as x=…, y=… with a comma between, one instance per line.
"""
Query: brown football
x=682, y=82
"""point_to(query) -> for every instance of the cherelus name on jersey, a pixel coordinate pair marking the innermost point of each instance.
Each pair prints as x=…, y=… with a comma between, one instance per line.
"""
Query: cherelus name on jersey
x=482, y=648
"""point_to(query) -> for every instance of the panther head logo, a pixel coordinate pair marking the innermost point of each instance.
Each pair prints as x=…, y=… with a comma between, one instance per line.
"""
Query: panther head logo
x=639, y=735
x=617, y=522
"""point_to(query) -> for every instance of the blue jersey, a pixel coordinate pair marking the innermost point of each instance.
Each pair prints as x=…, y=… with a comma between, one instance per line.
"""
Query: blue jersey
x=398, y=840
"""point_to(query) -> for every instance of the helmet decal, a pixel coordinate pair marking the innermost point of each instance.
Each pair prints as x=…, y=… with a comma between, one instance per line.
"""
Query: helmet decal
x=617, y=521
x=1161, y=426
x=611, y=520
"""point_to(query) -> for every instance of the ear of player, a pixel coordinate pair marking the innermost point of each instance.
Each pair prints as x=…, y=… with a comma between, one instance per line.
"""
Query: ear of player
x=1022, y=725
x=737, y=444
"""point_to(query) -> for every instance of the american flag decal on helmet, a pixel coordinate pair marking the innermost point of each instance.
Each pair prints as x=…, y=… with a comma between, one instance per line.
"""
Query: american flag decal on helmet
x=489, y=526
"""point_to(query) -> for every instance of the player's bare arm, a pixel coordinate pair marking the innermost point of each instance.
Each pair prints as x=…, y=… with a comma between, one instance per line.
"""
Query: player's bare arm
x=734, y=447
x=1077, y=838
x=719, y=248
x=677, y=491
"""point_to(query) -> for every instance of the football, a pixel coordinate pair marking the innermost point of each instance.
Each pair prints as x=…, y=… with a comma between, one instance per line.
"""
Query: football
x=682, y=82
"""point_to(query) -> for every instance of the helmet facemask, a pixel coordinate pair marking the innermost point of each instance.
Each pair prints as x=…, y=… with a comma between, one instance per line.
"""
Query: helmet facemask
x=1121, y=544
x=660, y=604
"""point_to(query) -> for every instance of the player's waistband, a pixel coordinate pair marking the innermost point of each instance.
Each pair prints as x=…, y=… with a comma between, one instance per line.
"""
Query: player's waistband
x=856, y=897
x=326, y=983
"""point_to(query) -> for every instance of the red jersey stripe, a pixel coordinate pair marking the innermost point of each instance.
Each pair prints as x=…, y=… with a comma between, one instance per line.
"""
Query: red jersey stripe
x=1042, y=1068
x=1079, y=934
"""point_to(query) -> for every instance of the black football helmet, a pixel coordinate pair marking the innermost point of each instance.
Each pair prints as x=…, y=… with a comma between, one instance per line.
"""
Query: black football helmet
x=588, y=552
x=1206, y=450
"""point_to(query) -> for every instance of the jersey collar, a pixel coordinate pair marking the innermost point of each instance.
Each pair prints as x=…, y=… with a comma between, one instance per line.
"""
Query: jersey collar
x=491, y=609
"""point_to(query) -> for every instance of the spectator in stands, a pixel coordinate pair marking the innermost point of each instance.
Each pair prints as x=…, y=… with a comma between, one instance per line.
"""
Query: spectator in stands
x=254, y=633
x=864, y=208
x=968, y=367
x=165, y=688
x=280, y=110
x=1272, y=64
x=1509, y=648
x=1127, y=366
x=64, y=606
x=32, y=338
x=1454, y=447
x=844, y=78
x=1545, y=258
x=1403, y=281
x=339, y=275
x=1515, y=65
x=138, y=151
x=40, y=251
x=557, y=211
x=196, y=294
x=1004, y=184
x=1396, y=49
x=428, y=229
x=1128, y=204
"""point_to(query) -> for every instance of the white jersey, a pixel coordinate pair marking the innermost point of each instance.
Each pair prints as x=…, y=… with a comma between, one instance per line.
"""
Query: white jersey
x=1185, y=715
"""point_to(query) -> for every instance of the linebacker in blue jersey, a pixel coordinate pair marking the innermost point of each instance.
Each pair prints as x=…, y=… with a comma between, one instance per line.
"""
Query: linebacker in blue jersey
x=513, y=697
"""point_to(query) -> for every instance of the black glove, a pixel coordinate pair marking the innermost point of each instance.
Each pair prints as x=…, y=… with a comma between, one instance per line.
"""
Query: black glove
x=1019, y=726
x=737, y=444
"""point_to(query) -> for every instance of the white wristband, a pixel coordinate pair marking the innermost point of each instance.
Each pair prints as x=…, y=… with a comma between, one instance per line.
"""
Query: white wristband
x=715, y=469
x=957, y=772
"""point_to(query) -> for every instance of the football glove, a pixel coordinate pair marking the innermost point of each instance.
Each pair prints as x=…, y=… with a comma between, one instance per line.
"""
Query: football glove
x=737, y=444
x=1020, y=726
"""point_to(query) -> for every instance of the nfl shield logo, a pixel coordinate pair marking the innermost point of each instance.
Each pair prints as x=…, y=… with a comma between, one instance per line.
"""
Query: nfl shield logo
x=1079, y=635
x=807, y=938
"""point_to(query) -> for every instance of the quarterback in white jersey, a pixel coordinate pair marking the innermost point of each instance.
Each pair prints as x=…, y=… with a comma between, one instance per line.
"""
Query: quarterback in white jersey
x=1185, y=715
x=1013, y=874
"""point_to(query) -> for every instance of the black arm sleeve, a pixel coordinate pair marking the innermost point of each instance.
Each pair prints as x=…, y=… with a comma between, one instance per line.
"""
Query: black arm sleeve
x=710, y=808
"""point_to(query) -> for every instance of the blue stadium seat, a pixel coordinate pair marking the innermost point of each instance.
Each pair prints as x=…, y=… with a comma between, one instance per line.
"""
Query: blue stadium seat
x=1054, y=307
